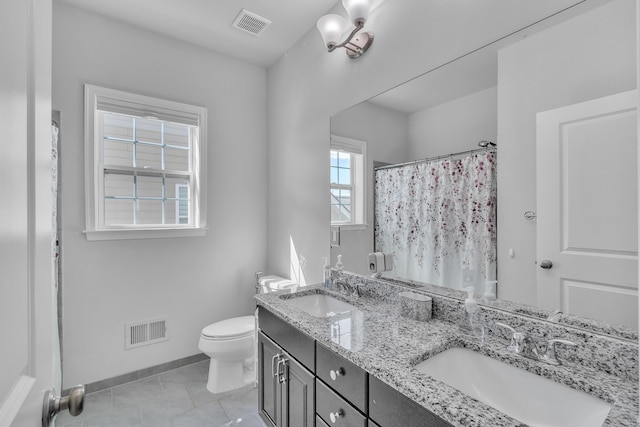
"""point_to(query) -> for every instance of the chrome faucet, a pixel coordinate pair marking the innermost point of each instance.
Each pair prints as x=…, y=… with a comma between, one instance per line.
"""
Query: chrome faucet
x=258, y=287
x=354, y=290
x=525, y=346
x=343, y=286
x=549, y=355
x=554, y=316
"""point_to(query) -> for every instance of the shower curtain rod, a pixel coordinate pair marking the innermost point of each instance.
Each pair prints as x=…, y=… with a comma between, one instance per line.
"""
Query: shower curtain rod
x=435, y=158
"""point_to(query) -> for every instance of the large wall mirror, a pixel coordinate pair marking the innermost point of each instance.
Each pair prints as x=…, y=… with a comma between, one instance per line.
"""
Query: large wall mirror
x=511, y=92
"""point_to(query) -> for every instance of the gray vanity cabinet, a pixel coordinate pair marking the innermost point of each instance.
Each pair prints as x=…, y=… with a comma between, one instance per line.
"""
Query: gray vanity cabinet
x=286, y=393
x=286, y=360
x=302, y=383
x=389, y=408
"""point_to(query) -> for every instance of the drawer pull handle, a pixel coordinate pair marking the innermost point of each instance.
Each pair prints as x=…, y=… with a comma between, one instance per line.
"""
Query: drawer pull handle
x=282, y=370
x=273, y=365
x=335, y=415
x=335, y=374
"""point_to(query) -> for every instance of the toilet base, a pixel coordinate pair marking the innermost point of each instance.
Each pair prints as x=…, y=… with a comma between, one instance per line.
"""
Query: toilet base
x=229, y=376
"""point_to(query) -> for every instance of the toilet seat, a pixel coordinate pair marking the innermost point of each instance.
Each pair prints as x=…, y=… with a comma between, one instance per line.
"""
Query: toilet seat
x=236, y=327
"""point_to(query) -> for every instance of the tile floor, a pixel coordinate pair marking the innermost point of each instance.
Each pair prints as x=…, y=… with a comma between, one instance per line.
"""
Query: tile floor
x=176, y=398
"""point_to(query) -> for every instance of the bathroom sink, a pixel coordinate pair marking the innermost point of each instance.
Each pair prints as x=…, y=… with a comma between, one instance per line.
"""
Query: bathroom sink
x=529, y=398
x=320, y=305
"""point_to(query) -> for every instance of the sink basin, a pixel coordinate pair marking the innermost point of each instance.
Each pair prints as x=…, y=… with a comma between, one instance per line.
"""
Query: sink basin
x=321, y=305
x=529, y=398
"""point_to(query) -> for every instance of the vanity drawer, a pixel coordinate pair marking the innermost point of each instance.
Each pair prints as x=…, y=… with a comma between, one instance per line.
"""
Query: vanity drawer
x=296, y=343
x=350, y=381
x=390, y=408
x=328, y=402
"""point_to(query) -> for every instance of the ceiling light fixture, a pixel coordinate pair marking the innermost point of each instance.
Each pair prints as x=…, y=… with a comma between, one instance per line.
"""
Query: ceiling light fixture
x=332, y=27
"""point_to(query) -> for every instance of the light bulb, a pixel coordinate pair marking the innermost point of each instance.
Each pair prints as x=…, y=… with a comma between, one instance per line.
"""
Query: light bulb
x=331, y=28
x=358, y=10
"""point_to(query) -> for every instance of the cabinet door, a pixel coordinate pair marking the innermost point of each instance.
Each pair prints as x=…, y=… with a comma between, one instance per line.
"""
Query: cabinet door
x=269, y=390
x=299, y=396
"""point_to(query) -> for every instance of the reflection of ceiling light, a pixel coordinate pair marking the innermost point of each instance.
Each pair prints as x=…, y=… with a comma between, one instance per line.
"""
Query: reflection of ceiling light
x=332, y=27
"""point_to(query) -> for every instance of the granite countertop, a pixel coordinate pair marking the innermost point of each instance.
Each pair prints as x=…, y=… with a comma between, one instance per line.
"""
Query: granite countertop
x=378, y=339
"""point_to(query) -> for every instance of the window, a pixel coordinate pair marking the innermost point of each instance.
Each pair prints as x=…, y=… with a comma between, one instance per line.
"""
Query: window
x=144, y=174
x=182, y=204
x=347, y=173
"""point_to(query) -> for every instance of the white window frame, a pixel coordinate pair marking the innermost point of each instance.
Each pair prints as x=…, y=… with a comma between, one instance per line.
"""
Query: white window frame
x=116, y=101
x=359, y=181
x=178, y=217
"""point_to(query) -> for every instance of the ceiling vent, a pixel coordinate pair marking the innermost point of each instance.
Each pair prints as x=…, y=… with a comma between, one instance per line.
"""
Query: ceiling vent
x=250, y=22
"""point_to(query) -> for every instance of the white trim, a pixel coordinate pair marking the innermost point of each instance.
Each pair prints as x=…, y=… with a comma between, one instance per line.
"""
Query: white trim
x=177, y=207
x=359, y=181
x=166, y=110
x=14, y=400
x=350, y=145
x=144, y=233
x=131, y=104
x=350, y=227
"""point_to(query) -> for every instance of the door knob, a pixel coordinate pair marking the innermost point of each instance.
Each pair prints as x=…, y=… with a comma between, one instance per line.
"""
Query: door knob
x=334, y=416
x=335, y=374
x=53, y=404
x=546, y=264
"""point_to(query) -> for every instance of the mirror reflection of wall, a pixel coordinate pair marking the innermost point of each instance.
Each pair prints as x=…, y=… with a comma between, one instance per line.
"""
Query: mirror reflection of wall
x=385, y=133
x=495, y=94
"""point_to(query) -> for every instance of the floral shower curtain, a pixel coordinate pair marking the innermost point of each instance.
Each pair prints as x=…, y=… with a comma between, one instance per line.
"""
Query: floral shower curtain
x=438, y=219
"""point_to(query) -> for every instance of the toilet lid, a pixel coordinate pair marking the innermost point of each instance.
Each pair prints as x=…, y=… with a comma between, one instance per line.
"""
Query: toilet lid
x=230, y=328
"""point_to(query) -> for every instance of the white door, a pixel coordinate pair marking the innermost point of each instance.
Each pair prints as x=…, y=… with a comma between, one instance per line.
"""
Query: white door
x=587, y=202
x=27, y=312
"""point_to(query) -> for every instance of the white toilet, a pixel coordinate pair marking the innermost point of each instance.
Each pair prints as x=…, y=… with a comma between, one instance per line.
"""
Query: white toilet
x=231, y=345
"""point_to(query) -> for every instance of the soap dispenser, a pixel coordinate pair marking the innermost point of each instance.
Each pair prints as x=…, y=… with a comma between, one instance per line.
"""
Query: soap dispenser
x=326, y=273
x=472, y=323
x=339, y=263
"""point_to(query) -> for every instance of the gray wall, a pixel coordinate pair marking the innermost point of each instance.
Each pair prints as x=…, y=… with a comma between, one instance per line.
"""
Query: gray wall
x=454, y=126
x=191, y=281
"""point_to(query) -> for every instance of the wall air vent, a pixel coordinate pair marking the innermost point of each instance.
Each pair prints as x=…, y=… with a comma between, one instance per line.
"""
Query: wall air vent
x=145, y=333
x=250, y=22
